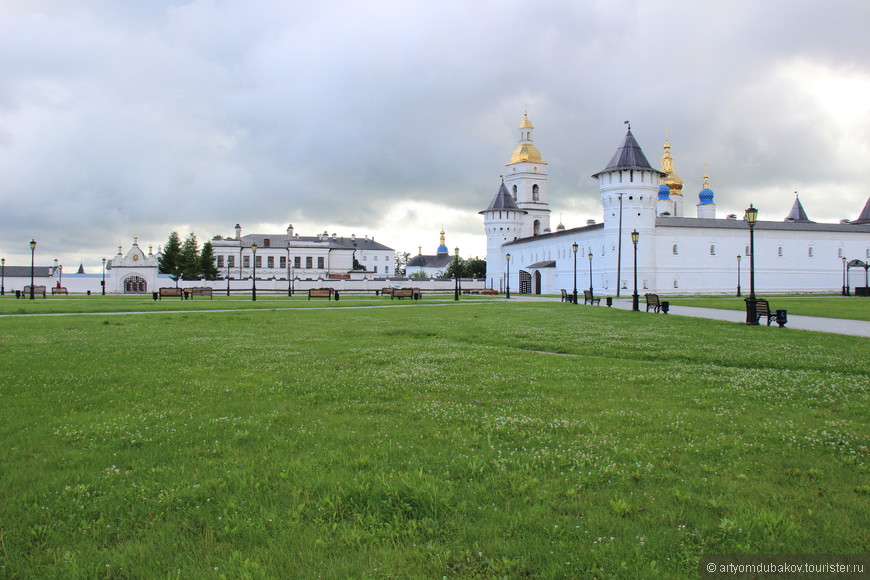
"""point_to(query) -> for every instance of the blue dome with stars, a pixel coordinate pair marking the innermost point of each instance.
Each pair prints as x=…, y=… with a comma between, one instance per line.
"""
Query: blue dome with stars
x=664, y=192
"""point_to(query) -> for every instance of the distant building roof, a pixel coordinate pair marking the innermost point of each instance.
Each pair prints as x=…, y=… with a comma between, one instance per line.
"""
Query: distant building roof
x=797, y=213
x=726, y=224
x=629, y=156
x=502, y=200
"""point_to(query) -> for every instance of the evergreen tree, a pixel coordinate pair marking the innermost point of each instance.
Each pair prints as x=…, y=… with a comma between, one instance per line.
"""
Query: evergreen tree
x=454, y=268
x=190, y=258
x=170, y=261
x=475, y=268
x=207, y=266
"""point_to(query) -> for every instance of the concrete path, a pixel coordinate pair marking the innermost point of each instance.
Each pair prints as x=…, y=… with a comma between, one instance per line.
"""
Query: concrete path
x=832, y=325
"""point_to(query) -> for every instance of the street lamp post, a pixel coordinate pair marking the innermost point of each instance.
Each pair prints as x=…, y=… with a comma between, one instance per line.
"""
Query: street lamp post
x=2, y=276
x=60, y=275
x=574, y=247
x=289, y=279
x=845, y=283
x=590, y=272
x=103, y=281
x=508, y=292
x=739, y=257
x=751, y=312
x=32, y=258
x=254, y=277
x=456, y=268
x=634, y=298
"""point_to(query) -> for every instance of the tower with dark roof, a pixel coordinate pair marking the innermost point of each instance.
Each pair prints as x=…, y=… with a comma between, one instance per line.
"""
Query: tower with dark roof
x=526, y=181
x=503, y=221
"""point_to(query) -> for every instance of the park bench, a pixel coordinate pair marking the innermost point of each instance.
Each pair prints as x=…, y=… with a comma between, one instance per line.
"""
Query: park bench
x=589, y=298
x=652, y=301
x=565, y=297
x=202, y=291
x=320, y=293
x=762, y=310
x=413, y=293
x=59, y=290
x=171, y=292
x=386, y=291
x=36, y=290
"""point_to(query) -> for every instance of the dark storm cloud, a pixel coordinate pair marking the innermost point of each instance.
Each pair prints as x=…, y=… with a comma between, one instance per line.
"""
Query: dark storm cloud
x=119, y=120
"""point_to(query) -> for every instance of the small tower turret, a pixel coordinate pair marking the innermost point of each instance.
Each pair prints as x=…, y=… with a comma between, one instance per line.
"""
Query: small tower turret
x=706, y=205
x=503, y=221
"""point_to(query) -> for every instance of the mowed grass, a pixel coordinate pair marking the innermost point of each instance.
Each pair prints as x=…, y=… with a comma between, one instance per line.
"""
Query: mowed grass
x=470, y=440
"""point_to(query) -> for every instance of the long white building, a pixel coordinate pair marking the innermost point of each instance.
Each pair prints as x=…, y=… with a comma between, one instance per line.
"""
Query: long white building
x=676, y=253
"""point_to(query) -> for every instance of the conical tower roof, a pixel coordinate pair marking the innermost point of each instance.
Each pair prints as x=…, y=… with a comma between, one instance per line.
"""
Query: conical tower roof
x=797, y=213
x=502, y=200
x=864, y=218
x=628, y=156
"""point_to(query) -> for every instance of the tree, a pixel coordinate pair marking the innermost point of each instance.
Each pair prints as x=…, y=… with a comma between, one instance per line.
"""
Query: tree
x=207, y=267
x=170, y=261
x=401, y=262
x=455, y=268
x=189, y=262
x=475, y=268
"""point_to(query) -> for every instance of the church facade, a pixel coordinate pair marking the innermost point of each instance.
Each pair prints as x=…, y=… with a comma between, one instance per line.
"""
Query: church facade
x=676, y=253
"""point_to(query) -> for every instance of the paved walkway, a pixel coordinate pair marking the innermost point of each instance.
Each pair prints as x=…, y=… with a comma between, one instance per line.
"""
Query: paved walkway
x=832, y=325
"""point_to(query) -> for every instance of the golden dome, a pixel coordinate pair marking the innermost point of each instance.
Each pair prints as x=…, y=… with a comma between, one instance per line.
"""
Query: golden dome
x=528, y=153
x=671, y=179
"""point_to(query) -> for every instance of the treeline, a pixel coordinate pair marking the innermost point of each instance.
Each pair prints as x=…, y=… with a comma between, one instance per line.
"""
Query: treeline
x=186, y=261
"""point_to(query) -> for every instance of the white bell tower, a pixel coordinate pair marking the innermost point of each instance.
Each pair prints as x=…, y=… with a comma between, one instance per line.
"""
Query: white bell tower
x=526, y=181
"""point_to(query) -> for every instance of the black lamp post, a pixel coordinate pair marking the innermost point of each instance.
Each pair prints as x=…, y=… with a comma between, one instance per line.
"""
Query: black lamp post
x=574, y=247
x=508, y=292
x=60, y=274
x=32, y=258
x=590, y=272
x=845, y=284
x=751, y=312
x=634, y=298
x=254, y=277
x=289, y=280
x=739, y=257
x=228, y=277
x=456, y=268
x=2, y=276
x=103, y=281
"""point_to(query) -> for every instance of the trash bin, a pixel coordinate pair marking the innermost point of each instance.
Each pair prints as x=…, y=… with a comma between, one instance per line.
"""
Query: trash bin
x=781, y=317
x=336, y=295
x=609, y=300
x=154, y=296
x=17, y=294
x=666, y=306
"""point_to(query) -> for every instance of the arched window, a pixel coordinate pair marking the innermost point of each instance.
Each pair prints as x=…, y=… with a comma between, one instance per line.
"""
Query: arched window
x=535, y=193
x=536, y=228
x=712, y=249
x=676, y=250
x=514, y=191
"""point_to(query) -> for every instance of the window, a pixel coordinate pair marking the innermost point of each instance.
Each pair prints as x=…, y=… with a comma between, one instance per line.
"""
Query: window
x=779, y=251
x=231, y=261
x=376, y=270
x=810, y=251
x=514, y=194
x=297, y=261
x=535, y=193
x=267, y=242
x=309, y=262
x=270, y=262
x=320, y=262
x=676, y=250
x=712, y=249
x=246, y=261
x=258, y=261
x=747, y=252
x=220, y=261
x=386, y=269
x=840, y=253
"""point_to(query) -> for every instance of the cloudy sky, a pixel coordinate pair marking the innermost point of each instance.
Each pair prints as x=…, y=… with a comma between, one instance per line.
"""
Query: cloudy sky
x=393, y=118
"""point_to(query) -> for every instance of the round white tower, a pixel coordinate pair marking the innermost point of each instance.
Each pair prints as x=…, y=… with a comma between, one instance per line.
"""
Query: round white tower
x=503, y=221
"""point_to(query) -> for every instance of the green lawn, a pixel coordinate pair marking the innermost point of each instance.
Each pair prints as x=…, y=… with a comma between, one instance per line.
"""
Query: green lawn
x=470, y=440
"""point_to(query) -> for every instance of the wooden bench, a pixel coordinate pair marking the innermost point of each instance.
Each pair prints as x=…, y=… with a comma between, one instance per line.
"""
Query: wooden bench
x=386, y=291
x=588, y=298
x=565, y=297
x=201, y=291
x=320, y=293
x=412, y=293
x=59, y=290
x=652, y=301
x=36, y=290
x=762, y=309
x=171, y=292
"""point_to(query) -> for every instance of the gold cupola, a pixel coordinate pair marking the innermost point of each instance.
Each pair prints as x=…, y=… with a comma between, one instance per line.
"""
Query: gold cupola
x=526, y=152
x=671, y=179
